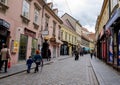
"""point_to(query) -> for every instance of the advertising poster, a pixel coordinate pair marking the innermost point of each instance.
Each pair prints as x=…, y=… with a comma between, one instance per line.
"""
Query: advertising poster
x=111, y=50
x=119, y=49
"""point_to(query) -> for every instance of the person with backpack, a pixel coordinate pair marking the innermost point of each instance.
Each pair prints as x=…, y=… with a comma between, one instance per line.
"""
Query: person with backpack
x=38, y=60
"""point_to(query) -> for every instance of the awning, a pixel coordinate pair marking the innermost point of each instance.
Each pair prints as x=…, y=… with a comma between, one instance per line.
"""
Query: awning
x=4, y=23
x=114, y=17
x=101, y=34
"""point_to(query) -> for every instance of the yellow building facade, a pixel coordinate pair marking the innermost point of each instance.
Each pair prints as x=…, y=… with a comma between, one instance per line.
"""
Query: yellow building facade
x=69, y=38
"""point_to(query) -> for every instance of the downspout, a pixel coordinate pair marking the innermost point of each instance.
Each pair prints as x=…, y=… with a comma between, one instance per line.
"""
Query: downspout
x=109, y=9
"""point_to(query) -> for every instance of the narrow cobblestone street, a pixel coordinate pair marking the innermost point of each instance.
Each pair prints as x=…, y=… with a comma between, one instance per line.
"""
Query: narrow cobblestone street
x=63, y=72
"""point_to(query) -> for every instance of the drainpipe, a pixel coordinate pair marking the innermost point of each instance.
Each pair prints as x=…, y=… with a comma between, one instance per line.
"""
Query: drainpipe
x=109, y=9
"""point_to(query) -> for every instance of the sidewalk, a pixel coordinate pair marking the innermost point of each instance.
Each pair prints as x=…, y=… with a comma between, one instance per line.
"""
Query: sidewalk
x=21, y=67
x=105, y=74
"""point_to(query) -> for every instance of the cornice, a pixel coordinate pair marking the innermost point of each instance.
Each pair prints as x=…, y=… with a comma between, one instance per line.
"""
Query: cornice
x=102, y=10
x=46, y=7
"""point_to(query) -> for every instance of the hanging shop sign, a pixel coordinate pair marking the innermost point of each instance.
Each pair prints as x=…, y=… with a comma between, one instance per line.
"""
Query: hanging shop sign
x=119, y=49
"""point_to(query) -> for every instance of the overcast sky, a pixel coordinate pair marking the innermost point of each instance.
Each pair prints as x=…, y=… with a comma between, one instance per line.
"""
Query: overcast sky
x=85, y=11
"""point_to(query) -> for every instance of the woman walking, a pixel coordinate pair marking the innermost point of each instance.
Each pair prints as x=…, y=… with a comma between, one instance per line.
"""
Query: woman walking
x=5, y=56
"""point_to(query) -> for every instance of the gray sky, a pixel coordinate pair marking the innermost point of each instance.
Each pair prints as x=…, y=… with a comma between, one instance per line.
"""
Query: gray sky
x=85, y=11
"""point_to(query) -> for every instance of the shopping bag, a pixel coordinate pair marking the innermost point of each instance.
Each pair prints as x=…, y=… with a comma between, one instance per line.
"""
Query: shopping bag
x=9, y=64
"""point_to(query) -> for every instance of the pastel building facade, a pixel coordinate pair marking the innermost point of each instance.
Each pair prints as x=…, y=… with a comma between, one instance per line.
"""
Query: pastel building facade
x=22, y=27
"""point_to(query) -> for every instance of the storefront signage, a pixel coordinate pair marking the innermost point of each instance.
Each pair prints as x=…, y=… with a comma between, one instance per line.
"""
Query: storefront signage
x=30, y=33
x=111, y=50
x=119, y=49
x=16, y=45
x=4, y=24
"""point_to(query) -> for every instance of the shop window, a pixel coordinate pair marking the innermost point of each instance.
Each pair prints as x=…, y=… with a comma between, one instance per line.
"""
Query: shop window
x=23, y=47
x=34, y=46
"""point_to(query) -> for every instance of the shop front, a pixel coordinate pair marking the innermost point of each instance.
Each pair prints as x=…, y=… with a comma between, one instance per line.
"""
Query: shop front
x=4, y=33
x=113, y=28
x=64, y=49
x=28, y=44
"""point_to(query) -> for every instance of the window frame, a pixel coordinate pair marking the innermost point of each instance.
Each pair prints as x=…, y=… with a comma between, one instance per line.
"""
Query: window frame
x=36, y=14
x=46, y=22
x=4, y=2
x=54, y=27
x=25, y=4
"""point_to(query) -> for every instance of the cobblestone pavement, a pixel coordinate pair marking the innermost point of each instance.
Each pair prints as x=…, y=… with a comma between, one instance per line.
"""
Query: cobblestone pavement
x=63, y=72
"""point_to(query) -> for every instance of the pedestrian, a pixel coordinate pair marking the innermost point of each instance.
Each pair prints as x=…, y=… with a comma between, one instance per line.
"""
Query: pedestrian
x=38, y=60
x=5, y=56
x=29, y=64
x=91, y=53
x=49, y=55
x=0, y=53
x=76, y=55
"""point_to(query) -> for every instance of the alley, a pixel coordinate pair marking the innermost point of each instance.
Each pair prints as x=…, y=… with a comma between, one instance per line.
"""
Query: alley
x=62, y=72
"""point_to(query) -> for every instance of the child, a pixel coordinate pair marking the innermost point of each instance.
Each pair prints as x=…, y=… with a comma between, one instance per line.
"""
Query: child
x=29, y=64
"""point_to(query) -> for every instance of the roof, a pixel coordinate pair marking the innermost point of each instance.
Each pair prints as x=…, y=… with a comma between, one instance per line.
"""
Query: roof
x=85, y=37
x=92, y=36
x=77, y=21
x=68, y=24
x=85, y=29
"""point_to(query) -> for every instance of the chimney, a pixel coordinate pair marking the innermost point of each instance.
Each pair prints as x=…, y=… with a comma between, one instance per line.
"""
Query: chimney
x=50, y=4
x=55, y=11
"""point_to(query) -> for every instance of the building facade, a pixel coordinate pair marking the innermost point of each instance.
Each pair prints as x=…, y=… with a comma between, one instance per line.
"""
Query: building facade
x=69, y=39
x=108, y=39
x=76, y=26
x=22, y=29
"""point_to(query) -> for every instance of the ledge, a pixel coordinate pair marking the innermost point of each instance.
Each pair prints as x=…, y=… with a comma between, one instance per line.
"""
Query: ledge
x=25, y=19
x=3, y=6
x=36, y=26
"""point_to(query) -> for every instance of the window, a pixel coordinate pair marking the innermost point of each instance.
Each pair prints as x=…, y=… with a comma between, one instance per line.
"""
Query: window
x=59, y=33
x=36, y=16
x=46, y=22
x=114, y=3
x=54, y=27
x=3, y=1
x=65, y=35
x=25, y=11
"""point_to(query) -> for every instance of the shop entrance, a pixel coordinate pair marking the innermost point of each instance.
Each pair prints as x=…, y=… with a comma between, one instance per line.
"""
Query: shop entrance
x=23, y=47
x=2, y=40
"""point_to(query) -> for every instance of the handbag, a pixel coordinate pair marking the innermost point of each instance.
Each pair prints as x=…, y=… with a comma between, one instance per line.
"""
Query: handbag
x=7, y=55
x=9, y=64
